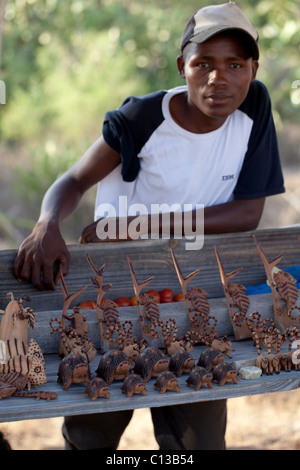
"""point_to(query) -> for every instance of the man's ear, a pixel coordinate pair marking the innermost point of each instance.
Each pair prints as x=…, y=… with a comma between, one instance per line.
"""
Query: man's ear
x=180, y=66
x=255, y=66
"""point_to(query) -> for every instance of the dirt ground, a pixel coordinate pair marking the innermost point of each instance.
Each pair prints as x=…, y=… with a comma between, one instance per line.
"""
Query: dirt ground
x=263, y=422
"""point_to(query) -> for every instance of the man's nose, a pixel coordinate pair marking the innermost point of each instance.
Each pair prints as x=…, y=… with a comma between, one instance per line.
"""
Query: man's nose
x=217, y=77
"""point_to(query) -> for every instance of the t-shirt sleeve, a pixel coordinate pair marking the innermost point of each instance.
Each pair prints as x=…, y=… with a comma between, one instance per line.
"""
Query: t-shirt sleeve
x=261, y=173
x=127, y=129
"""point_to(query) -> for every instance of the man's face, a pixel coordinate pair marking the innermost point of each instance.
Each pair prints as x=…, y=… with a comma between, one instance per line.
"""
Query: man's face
x=218, y=76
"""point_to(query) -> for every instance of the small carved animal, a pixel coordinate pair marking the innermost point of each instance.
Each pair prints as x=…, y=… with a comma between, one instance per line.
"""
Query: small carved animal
x=209, y=358
x=38, y=395
x=285, y=360
x=35, y=350
x=181, y=362
x=97, y=388
x=37, y=375
x=262, y=363
x=240, y=299
x=73, y=368
x=110, y=312
x=7, y=390
x=132, y=351
x=223, y=345
x=151, y=309
x=15, y=319
x=287, y=288
x=273, y=364
x=113, y=365
x=199, y=377
x=150, y=363
x=224, y=373
x=198, y=300
x=166, y=381
x=134, y=384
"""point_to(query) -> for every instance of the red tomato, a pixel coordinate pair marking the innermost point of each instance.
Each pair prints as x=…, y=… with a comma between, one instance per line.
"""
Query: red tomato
x=179, y=297
x=155, y=294
x=123, y=301
x=88, y=305
x=133, y=300
x=166, y=296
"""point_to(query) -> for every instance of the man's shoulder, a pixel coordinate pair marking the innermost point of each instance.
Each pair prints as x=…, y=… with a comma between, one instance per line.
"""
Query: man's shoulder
x=133, y=107
x=257, y=100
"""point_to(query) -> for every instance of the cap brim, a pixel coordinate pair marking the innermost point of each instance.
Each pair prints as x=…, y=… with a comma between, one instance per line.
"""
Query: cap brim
x=201, y=37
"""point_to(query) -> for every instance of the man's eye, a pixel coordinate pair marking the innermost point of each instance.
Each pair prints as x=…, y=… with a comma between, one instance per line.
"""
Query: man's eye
x=235, y=66
x=203, y=65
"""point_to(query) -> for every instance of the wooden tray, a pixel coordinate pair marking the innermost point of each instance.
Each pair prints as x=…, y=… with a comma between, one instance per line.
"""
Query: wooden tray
x=152, y=258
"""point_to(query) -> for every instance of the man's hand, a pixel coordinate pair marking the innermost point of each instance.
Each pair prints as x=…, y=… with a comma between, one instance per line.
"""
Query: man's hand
x=38, y=254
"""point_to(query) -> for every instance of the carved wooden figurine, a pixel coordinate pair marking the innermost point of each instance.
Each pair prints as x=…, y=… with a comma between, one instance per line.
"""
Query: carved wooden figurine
x=113, y=365
x=181, y=362
x=97, y=388
x=150, y=363
x=235, y=298
x=134, y=384
x=73, y=369
x=15, y=319
x=146, y=331
x=224, y=373
x=101, y=291
x=199, y=377
x=166, y=381
x=210, y=358
x=282, y=288
x=184, y=281
x=74, y=339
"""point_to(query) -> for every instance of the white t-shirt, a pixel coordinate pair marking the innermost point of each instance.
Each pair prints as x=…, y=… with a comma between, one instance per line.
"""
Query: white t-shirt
x=164, y=164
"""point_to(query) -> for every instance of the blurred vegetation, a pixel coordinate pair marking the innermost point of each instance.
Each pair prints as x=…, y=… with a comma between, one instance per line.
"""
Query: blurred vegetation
x=66, y=62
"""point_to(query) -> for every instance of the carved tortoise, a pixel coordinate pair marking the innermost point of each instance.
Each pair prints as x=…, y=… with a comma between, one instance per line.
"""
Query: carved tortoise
x=224, y=373
x=73, y=368
x=134, y=384
x=113, y=365
x=181, y=362
x=97, y=388
x=150, y=363
x=166, y=381
x=199, y=377
x=209, y=358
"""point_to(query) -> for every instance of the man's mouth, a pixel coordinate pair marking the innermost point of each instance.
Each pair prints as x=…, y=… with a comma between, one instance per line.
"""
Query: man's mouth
x=219, y=98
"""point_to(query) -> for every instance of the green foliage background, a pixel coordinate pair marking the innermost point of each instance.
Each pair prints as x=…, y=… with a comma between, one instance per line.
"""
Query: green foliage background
x=66, y=62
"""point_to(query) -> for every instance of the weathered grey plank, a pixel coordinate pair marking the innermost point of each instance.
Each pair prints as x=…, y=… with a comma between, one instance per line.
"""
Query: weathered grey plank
x=73, y=401
x=153, y=258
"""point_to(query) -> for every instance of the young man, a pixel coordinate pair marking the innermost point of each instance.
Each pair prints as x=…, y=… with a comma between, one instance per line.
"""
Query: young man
x=210, y=142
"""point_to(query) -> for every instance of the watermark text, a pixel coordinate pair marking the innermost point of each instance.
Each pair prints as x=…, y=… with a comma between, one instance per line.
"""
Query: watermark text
x=162, y=221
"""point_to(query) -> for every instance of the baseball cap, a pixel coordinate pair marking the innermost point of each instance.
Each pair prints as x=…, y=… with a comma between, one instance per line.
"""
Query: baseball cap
x=213, y=19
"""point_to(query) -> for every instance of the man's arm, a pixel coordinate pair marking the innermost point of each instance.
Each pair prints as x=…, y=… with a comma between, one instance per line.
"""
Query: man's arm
x=239, y=215
x=45, y=245
x=235, y=216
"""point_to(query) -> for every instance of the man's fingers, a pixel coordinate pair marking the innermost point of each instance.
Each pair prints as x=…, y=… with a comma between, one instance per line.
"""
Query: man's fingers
x=64, y=262
x=17, y=265
x=36, y=277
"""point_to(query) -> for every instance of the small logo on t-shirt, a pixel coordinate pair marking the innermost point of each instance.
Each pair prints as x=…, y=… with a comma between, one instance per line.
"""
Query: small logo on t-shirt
x=227, y=177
